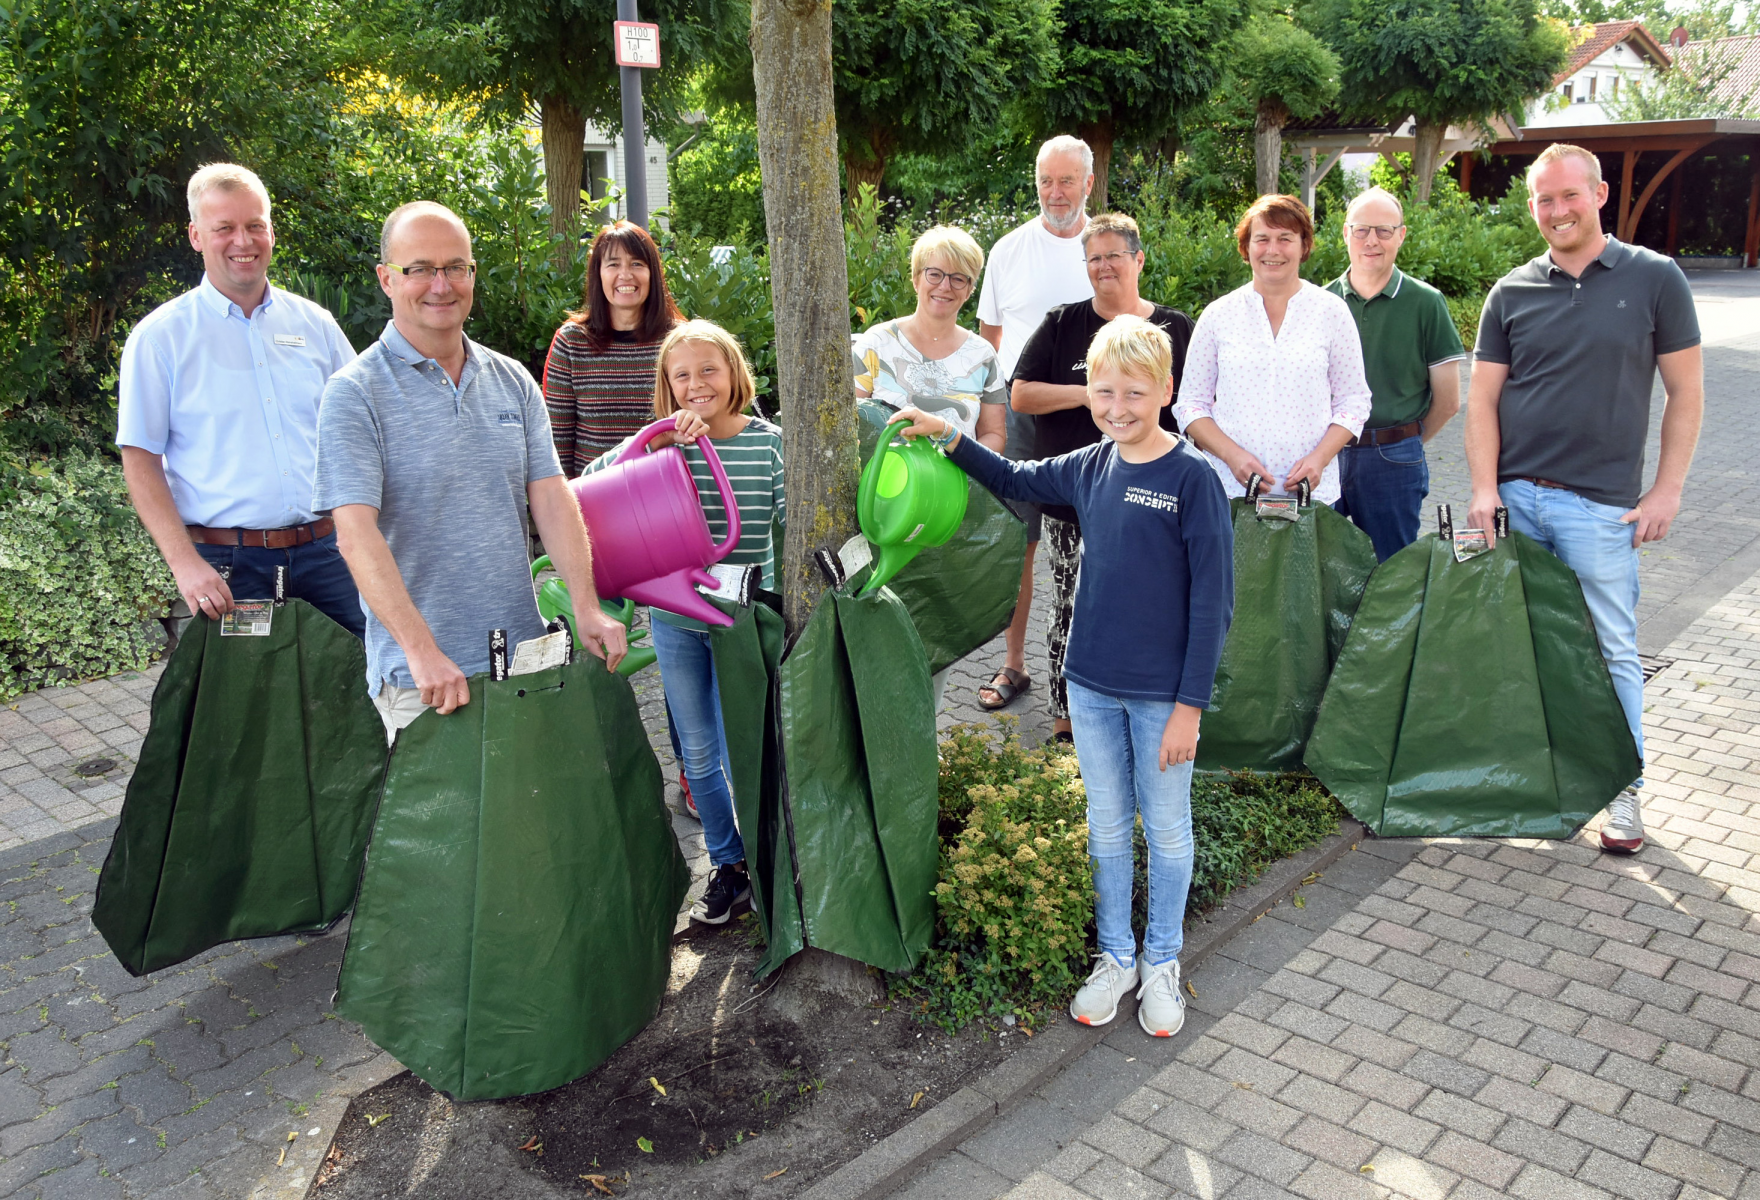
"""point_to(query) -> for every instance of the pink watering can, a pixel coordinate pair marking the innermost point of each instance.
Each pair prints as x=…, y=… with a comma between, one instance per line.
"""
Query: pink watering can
x=651, y=542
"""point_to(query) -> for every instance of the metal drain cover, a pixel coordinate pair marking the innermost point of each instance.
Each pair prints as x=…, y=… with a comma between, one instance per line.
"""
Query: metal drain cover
x=95, y=766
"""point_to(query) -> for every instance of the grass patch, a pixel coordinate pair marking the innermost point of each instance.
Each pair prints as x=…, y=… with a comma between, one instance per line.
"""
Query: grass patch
x=1015, y=898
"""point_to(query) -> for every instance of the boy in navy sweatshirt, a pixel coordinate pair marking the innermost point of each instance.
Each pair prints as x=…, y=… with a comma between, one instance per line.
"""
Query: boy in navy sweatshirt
x=1153, y=604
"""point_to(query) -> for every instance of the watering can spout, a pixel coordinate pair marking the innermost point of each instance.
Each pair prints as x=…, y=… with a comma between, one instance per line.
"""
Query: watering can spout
x=889, y=561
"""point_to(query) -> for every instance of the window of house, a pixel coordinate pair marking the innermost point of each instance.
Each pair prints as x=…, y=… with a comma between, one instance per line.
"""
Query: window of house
x=1566, y=90
x=1592, y=82
x=1613, y=90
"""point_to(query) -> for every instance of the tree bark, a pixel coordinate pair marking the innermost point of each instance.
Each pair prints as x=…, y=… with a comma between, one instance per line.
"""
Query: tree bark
x=872, y=170
x=809, y=284
x=1426, y=157
x=565, y=139
x=1268, y=144
x=1099, y=137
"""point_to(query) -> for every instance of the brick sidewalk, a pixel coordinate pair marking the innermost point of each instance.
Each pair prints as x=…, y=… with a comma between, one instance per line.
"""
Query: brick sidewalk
x=1531, y=1019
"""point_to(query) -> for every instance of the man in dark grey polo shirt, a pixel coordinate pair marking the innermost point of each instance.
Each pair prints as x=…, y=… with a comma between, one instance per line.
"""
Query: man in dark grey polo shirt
x=1411, y=354
x=428, y=447
x=1569, y=347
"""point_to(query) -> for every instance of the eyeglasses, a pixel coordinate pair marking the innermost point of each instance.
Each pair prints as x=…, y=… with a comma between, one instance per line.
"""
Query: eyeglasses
x=953, y=279
x=425, y=272
x=1383, y=232
x=1111, y=258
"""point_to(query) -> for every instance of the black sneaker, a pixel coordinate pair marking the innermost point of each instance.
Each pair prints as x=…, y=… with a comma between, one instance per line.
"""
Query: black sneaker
x=729, y=887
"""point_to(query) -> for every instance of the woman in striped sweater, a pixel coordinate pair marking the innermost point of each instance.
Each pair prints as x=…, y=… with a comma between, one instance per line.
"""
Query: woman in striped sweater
x=703, y=381
x=599, y=375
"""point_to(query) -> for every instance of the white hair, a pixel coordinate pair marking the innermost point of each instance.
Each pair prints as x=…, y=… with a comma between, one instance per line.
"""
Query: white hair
x=1063, y=143
x=1376, y=193
x=225, y=177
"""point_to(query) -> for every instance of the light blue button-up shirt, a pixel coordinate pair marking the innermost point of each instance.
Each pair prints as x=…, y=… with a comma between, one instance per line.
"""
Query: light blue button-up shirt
x=232, y=403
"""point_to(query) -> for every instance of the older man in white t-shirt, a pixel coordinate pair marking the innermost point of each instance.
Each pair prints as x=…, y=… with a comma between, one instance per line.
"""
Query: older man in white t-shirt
x=1031, y=271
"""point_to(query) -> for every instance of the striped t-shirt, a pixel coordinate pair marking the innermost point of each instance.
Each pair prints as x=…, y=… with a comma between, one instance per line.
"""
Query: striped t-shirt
x=596, y=400
x=752, y=459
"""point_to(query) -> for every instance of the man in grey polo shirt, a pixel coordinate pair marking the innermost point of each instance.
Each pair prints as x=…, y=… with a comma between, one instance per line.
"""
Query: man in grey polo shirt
x=1569, y=346
x=428, y=446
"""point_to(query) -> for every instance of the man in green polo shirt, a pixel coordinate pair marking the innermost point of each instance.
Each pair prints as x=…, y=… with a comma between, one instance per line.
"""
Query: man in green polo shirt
x=1410, y=348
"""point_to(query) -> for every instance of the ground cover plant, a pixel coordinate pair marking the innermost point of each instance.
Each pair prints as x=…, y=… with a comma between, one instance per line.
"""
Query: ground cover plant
x=1015, y=900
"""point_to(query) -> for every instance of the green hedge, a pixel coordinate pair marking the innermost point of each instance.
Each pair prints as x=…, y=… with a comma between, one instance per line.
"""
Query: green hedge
x=1015, y=901
x=80, y=580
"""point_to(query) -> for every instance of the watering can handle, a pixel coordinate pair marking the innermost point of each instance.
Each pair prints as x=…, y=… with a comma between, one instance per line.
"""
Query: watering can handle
x=729, y=502
x=623, y=610
x=870, y=480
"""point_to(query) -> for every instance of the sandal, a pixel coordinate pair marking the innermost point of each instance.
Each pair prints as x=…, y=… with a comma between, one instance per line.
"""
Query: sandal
x=1007, y=683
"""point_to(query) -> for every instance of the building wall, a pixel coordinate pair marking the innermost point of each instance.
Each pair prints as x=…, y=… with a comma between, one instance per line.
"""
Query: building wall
x=1593, y=82
x=610, y=145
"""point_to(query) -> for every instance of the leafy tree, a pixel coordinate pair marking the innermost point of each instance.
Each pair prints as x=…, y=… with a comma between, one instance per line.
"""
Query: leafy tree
x=556, y=56
x=926, y=75
x=1701, y=83
x=1440, y=62
x=1654, y=13
x=1131, y=67
x=106, y=108
x=1288, y=72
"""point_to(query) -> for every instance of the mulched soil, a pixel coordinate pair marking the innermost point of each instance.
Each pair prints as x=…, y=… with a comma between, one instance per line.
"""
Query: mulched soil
x=767, y=1090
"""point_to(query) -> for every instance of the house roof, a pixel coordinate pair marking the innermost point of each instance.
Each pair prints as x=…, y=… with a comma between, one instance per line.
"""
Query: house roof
x=1743, y=56
x=1588, y=42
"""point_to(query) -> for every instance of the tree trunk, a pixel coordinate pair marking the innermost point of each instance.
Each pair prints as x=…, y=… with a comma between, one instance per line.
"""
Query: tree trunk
x=809, y=282
x=1426, y=157
x=565, y=139
x=1268, y=145
x=873, y=169
x=809, y=286
x=1099, y=137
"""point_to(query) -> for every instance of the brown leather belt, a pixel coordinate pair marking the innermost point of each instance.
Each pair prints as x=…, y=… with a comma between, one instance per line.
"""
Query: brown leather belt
x=1545, y=483
x=1389, y=434
x=267, y=539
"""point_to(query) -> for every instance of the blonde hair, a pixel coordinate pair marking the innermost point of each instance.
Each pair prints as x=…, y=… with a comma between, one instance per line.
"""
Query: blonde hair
x=1558, y=152
x=1134, y=346
x=224, y=177
x=951, y=243
x=1118, y=225
x=744, y=386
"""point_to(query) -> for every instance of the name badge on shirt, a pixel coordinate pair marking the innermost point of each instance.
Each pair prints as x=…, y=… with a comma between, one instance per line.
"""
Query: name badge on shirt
x=290, y=339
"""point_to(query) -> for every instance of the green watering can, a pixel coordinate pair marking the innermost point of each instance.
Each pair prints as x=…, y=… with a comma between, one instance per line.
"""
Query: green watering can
x=553, y=600
x=911, y=497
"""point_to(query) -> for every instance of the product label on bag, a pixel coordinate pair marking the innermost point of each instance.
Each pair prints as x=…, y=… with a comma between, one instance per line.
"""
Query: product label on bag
x=1280, y=508
x=541, y=653
x=733, y=584
x=855, y=554
x=248, y=618
x=1470, y=543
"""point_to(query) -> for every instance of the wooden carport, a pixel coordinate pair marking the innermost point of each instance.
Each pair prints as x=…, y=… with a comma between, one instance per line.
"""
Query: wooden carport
x=1632, y=138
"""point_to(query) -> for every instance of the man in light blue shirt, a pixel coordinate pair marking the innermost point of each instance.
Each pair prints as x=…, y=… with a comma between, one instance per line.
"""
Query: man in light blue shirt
x=429, y=448
x=218, y=417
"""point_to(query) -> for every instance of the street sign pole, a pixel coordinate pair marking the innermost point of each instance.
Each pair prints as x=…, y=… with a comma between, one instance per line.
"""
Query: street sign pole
x=635, y=141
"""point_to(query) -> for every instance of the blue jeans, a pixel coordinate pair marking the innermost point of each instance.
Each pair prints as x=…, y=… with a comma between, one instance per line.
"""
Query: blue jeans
x=315, y=574
x=687, y=673
x=1383, y=489
x=1592, y=542
x=1118, y=744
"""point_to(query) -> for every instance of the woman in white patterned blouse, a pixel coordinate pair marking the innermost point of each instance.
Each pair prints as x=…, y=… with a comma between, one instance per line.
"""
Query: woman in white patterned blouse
x=1274, y=382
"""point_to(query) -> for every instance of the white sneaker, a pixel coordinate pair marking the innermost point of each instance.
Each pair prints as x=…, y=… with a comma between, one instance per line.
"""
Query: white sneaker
x=1110, y=981
x=1623, y=831
x=1161, y=1010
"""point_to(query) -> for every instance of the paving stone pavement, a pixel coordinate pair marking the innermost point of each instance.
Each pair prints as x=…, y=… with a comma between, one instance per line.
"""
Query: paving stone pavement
x=1461, y=1019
